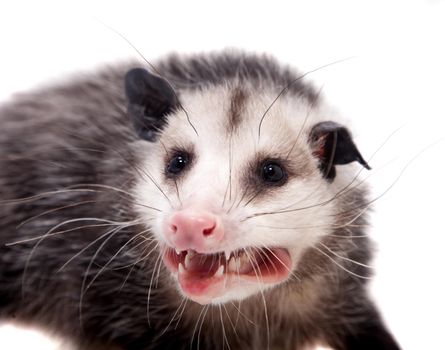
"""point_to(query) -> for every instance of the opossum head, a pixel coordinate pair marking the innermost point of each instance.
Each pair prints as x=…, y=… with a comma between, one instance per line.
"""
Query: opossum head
x=235, y=187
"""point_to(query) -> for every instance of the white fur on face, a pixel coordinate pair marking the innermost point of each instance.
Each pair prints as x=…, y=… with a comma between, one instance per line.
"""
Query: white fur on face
x=287, y=216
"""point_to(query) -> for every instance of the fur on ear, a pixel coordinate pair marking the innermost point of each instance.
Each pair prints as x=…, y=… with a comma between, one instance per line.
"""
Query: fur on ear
x=332, y=144
x=150, y=98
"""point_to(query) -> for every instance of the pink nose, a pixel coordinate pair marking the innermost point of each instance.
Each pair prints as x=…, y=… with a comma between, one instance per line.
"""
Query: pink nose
x=194, y=229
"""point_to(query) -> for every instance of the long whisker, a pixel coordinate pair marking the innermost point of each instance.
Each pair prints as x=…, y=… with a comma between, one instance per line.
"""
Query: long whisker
x=290, y=84
x=177, y=193
x=368, y=203
x=252, y=198
x=143, y=256
x=158, y=273
x=239, y=279
x=47, y=235
x=230, y=166
x=337, y=195
x=229, y=182
x=224, y=336
x=101, y=186
x=295, y=228
x=71, y=189
x=55, y=210
x=350, y=234
x=181, y=314
x=119, y=190
x=242, y=198
x=311, y=106
x=156, y=71
x=340, y=265
x=114, y=257
x=356, y=215
x=139, y=170
x=110, y=235
x=28, y=260
x=183, y=301
x=230, y=321
x=258, y=275
x=202, y=314
x=41, y=195
x=91, y=244
x=292, y=273
x=346, y=188
x=344, y=257
x=237, y=307
x=258, y=252
x=158, y=261
x=132, y=266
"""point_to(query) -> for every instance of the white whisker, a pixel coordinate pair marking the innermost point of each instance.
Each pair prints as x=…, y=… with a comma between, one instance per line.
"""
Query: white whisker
x=340, y=265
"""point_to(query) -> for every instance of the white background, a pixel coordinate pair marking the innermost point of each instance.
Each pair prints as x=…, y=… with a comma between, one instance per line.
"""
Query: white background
x=395, y=80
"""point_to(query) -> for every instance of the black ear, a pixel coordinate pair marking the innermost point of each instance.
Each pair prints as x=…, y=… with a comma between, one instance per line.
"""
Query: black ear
x=150, y=98
x=332, y=144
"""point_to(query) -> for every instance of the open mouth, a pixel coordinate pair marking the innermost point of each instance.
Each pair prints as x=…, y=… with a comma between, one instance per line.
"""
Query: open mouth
x=206, y=276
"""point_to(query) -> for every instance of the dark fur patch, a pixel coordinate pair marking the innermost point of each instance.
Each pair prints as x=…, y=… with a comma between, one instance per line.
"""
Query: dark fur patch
x=255, y=187
x=237, y=103
x=200, y=72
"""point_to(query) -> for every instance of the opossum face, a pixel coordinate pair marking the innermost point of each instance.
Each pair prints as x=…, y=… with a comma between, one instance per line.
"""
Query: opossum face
x=240, y=195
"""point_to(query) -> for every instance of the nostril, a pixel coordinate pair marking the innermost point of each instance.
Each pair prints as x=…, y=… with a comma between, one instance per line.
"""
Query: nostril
x=208, y=231
x=173, y=228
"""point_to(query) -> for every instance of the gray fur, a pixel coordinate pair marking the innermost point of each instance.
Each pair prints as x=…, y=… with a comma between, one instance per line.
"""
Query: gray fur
x=77, y=137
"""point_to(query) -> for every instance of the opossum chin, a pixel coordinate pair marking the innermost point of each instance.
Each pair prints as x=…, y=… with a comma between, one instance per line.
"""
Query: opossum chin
x=220, y=277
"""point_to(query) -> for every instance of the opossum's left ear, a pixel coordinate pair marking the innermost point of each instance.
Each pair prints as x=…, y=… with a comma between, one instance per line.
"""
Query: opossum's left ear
x=332, y=144
x=150, y=98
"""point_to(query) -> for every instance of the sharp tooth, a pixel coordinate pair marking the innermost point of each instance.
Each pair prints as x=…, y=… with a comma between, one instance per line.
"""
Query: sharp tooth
x=238, y=263
x=231, y=266
x=181, y=268
x=191, y=253
x=243, y=259
x=187, y=261
x=227, y=254
x=219, y=272
x=178, y=252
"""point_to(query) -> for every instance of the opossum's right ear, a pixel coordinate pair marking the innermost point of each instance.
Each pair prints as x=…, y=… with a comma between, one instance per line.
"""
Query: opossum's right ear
x=150, y=98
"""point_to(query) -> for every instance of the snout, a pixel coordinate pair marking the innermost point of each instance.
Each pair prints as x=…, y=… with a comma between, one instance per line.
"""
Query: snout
x=195, y=229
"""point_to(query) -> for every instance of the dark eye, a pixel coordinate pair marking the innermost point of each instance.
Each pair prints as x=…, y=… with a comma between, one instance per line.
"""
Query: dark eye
x=272, y=172
x=177, y=164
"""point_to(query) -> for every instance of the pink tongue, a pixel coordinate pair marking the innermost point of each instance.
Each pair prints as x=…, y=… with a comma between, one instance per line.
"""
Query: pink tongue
x=201, y=286
x=198, y=281
x=203, y=265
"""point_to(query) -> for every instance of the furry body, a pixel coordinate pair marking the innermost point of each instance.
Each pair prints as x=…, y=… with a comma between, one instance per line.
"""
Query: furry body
x=77, y=180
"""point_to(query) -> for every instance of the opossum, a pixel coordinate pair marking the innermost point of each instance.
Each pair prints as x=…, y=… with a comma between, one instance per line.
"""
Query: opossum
x=207, y=201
